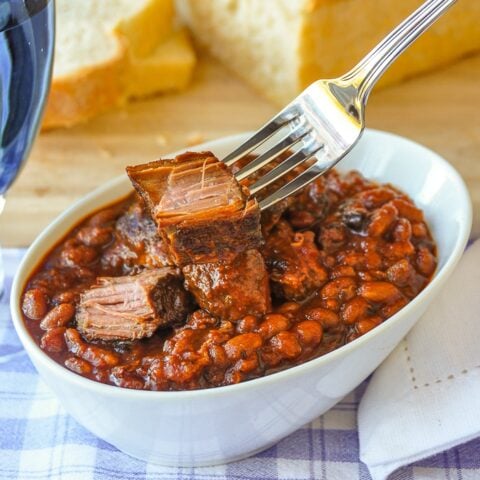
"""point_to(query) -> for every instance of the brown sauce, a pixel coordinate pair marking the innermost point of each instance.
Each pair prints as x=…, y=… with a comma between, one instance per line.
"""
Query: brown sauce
x=345, y=256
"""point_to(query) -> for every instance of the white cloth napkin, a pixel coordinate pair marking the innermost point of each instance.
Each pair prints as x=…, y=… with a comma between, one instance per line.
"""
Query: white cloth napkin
x=425, y=398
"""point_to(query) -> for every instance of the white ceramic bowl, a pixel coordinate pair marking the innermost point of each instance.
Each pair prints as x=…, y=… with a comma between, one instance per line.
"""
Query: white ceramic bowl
x=219, y=425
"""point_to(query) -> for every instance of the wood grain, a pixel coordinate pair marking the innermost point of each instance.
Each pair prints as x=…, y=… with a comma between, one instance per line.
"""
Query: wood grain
x=440, y=110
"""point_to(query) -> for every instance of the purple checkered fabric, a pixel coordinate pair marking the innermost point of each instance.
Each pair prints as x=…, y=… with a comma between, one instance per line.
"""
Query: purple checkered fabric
x=38, y=440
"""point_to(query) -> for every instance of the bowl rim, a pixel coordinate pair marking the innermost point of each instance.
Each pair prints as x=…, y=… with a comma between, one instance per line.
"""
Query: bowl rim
x=27, y=266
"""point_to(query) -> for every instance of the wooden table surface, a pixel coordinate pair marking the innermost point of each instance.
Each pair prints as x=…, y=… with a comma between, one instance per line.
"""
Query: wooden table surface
x=440, y=110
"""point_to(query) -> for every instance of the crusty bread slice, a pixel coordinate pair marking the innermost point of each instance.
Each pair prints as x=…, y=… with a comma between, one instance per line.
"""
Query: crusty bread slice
x=168, y=68
x=281, y=46
x=94, y=41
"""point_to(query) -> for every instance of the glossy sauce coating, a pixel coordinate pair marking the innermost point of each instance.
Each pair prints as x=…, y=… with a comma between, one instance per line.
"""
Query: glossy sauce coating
x=345, y=256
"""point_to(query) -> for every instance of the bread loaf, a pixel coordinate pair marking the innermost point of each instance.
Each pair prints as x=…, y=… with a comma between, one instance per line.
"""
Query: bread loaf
x=281, y=46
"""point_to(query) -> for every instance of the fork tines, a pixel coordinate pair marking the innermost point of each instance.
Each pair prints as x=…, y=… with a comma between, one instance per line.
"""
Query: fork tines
x=299, y=135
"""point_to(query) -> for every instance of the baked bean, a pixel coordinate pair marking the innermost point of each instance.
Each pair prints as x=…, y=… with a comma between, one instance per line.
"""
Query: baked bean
x=79, y=255
x=71, y=243
x=352, y=259
x=95, y=236
x=227, y=327
x=152, y=372
x=53, y=340
x=419, y=230
x=408, y=210
x=199, y=358
x=216, y=336
x=357, y=260
x=187, y=340
x=97, y=356
x=367, y=324
x=286, y=343
x=201, y=319
x=35, y=303
x=398, y=250
x=402, y=231
x=104, y=217
x=343, y=271
x=326, y=318
x=269, y=356
x=366, y=276
x=288, y=308
x=233, y=377
x=247, y=365
x=247, y=324
x=53, y=280
x=379, y=292
x=332, y=304
x=65, y=297
x=354, y=310
x=309, y=332
x=178, y=370
x=376, y=197
x=273, y=323
x=218, y=355
x=369, y=244
x=127, y=381
x=78, y=365
x=378, y=275
x=242, y=345
x=426, y=262
x=59, y=316
x=372, y=261
x=343, y=288
x=389, y=310
x=382, y=219
x=101, y=375
x=400, y=273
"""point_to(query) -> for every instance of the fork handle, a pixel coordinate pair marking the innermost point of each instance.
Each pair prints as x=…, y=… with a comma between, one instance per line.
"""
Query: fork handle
x=367, y=72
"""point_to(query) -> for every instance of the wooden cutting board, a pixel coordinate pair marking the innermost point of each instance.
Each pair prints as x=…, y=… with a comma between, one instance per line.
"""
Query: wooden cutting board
x=440, y=110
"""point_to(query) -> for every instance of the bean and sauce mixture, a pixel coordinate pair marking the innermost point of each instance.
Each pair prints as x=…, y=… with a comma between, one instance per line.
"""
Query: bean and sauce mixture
x=333, y=262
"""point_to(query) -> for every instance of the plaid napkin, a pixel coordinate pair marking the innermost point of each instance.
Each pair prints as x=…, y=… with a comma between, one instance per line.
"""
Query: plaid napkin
x=38, y=440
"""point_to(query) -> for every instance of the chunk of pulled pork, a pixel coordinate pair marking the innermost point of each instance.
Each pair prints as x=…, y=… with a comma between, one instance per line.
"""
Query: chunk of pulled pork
x=134, y=306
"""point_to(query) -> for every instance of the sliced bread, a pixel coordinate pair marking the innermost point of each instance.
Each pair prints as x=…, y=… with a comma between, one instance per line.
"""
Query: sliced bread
x=100, y=44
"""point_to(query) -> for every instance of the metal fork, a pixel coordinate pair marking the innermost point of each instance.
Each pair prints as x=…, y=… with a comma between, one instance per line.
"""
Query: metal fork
x=327, y=119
